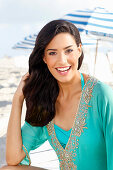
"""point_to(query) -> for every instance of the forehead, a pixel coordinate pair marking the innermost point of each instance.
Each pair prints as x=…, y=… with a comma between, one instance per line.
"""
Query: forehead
x=61, y=40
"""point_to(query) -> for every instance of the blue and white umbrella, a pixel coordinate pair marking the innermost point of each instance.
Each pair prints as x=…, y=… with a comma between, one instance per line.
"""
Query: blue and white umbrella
x=97, y=23
x=27, y=44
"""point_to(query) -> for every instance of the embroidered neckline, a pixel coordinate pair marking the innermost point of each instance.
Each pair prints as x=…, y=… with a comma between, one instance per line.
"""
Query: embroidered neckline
x=82, y=87
x=67, y=156
x=74, y=118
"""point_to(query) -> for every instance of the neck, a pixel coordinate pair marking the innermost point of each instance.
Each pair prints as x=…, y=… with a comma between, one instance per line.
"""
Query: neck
x=67, y=90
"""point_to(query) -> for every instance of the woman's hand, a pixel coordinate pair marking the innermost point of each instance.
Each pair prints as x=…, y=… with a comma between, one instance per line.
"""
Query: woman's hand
x=14, y=138
x=19, y=91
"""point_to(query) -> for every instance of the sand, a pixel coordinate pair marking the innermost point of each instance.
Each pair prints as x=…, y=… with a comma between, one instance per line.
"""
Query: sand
x=10, y=76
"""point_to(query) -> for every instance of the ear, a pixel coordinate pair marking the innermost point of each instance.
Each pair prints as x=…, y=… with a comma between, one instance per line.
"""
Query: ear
x=80, y=49
x=44, y=59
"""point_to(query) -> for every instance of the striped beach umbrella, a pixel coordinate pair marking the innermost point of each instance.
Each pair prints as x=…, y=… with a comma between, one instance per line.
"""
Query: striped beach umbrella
x=27, y=44
x=96, y=23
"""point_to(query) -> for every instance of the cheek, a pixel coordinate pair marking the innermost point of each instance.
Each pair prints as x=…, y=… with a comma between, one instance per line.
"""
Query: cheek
x=50, y=61
x=74, y=57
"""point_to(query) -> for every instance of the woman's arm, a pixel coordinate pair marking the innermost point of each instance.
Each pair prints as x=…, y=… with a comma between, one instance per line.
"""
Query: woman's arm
x=23, y=167
x=106, y=109
x=14, y=151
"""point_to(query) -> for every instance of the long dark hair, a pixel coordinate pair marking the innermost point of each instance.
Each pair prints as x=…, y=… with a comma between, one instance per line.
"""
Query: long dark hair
x=41, y=88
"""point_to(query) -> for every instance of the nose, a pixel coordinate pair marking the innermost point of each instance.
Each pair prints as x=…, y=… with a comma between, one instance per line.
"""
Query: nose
x=62, y=58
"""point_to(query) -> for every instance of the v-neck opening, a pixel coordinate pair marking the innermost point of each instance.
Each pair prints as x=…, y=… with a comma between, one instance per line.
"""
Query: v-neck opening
x=74, y=118
x=67, y=131
x=82, y=86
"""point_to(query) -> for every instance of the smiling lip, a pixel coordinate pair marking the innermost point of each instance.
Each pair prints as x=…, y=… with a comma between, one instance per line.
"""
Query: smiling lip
x=63, y=70
x=63, y=67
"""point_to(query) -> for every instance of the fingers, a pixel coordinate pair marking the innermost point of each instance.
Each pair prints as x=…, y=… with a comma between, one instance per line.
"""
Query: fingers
x=25, y=76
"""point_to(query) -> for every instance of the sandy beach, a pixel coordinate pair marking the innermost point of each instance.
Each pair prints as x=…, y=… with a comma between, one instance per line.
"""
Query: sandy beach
x=11, y=72
x=10, y=76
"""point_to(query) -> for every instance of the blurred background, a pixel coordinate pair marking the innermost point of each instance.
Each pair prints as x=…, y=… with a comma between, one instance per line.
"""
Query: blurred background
x=20, y=22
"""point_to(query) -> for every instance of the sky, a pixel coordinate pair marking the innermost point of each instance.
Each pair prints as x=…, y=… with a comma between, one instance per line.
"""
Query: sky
x=20, y=18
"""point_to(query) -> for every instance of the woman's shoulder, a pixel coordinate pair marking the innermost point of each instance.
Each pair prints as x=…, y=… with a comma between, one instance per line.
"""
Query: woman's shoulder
x=101, y=88
x=99, y=85
x=33, y=129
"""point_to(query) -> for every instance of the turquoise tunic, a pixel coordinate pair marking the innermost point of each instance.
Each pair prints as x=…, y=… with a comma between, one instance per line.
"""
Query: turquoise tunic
x=90, y=142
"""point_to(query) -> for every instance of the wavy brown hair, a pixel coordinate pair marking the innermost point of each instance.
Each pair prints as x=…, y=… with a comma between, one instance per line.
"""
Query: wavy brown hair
x=41, y=88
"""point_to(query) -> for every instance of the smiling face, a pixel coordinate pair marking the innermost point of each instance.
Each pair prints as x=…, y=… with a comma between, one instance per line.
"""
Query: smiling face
x=61, y=56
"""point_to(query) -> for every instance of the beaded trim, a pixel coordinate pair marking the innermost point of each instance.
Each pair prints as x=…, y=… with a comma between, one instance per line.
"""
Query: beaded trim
x=67, y=156
x=27, y=155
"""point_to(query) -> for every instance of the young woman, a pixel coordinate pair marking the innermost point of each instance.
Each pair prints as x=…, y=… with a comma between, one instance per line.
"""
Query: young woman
x=72, y=110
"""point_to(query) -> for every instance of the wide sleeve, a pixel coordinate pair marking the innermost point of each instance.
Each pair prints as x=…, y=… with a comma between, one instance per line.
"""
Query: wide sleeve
x=32, y=138
x=106, y=109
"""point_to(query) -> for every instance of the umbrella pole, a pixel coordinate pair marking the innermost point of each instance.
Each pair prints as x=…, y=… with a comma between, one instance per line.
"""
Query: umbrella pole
x=95, y=56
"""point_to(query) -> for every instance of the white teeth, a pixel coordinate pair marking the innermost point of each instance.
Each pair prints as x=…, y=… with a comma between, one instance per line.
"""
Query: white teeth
x=63, y=69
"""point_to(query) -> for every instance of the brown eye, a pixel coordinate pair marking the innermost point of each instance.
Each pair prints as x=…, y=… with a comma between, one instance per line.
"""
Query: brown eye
x=52, y=53
x=69, y=51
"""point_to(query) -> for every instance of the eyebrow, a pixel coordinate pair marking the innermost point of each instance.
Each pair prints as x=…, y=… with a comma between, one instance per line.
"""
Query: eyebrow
x=63, y=48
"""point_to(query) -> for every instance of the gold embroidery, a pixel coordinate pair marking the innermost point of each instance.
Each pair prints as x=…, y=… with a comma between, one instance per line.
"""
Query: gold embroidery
x=27, y=155
x=67, y=156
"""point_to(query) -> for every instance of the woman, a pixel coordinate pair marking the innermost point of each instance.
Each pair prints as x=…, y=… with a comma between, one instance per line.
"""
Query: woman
x=72, y=110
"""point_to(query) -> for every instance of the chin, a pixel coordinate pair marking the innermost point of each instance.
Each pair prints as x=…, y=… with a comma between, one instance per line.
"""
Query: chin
x=65, y=80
